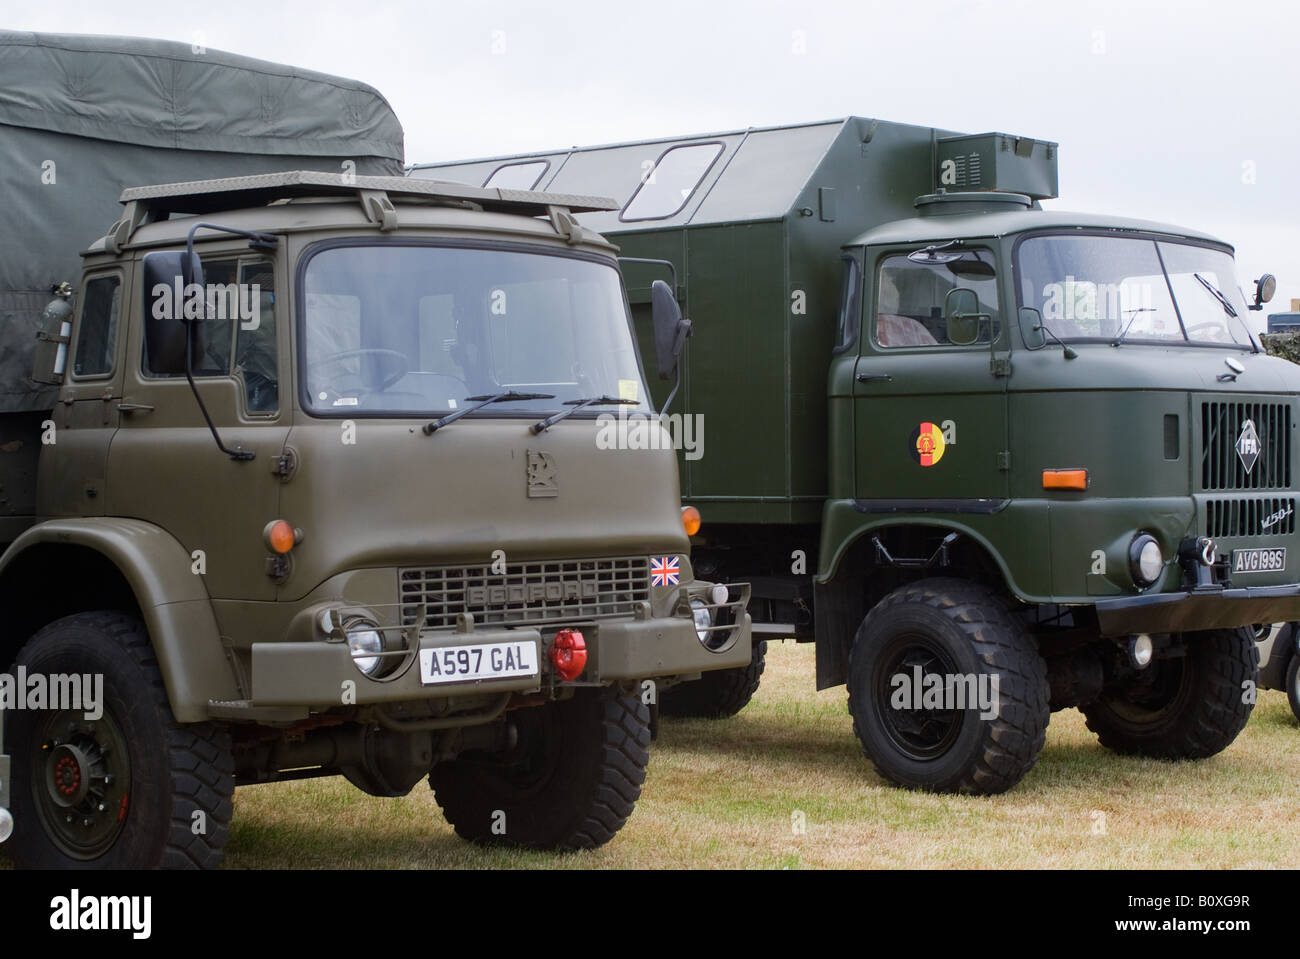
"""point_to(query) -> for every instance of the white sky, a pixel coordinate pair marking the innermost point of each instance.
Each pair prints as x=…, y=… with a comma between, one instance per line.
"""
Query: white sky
x=1184, y=112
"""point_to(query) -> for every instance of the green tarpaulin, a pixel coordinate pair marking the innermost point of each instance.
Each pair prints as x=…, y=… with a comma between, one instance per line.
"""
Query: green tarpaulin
x=84, y=117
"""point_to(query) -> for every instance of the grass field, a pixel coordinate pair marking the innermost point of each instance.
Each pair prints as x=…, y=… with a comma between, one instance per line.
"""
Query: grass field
x=730, y=794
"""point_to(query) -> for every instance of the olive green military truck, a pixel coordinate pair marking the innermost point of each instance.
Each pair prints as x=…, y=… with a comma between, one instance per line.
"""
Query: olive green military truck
x=318, y=491
x=994, y=460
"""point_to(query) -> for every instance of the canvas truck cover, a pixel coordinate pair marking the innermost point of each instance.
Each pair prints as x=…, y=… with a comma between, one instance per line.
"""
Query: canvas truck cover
x=84, y=117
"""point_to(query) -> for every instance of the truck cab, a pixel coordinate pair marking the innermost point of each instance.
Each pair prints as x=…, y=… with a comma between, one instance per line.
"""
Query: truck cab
x=998, y=460
x=324, y=468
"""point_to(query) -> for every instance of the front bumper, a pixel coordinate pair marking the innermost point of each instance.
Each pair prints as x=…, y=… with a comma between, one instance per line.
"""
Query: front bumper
x=321, y=674
x=1199, y=609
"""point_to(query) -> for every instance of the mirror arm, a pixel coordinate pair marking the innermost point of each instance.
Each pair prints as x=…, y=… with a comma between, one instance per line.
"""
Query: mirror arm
x=1066, y=350
x=240, y=455
x=672, y=270
x=257, y=241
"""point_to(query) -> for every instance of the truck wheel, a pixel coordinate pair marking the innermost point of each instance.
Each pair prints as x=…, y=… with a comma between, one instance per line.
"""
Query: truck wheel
x=1188, y=707
x=132, y=788
x=1293, y=684
x=717, y=694
x=570, y=782
x=943, y=628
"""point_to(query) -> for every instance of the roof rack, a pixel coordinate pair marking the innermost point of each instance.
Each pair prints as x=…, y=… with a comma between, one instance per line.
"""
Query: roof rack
x=146, y=204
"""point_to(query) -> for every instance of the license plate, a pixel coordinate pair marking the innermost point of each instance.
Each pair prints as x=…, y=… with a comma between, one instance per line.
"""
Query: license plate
x=1259, y=560
x=467, y=664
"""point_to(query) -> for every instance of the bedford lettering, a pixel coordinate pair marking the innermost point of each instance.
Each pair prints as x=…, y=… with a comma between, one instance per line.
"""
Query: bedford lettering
x=552, y=592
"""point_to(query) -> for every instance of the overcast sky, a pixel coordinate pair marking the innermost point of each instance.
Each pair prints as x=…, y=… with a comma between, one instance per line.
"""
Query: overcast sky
x=1184, y=112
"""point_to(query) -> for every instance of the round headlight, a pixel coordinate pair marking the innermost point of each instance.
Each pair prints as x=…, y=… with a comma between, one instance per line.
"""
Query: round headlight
x=703, y=620
x=1146, y=560
x=363, y=640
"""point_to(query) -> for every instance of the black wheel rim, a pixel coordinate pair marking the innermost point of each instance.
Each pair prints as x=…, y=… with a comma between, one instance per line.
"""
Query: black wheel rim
x=80, y=773
x=1162, y=693
x=920, y=733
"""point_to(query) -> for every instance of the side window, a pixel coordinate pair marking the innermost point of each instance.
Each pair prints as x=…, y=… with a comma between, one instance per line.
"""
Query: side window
x=668, y=185
x=518, y=176
x=255, y=346
x=911, y=290
x=216, y=333
x=239, y=330
x=97, y=336
x=850, y=306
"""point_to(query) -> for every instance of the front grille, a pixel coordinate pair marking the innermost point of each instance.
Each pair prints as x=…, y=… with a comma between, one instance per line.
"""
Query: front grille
x=526, y=593
x=1246, y=517
x=1221, y=430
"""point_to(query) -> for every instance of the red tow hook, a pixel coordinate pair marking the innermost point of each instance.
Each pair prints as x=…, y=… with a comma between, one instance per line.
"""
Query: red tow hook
x=569, y=654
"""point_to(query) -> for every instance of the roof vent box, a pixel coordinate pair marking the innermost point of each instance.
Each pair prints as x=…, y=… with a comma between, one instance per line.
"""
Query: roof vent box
x=996, y=162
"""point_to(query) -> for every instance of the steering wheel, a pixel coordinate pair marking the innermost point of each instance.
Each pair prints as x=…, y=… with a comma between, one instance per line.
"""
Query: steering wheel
x=349, y=354
x=1212, y=326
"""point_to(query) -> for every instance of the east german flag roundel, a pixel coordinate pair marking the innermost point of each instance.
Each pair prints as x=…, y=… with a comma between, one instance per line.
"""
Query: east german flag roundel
x=927, y=444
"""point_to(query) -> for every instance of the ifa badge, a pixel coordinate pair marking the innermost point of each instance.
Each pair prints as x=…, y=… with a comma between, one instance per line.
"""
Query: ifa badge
x=928, y=444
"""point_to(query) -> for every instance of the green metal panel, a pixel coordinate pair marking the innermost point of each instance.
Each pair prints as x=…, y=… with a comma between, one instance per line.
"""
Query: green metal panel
x=996, y=161
x=736, y=303
x=758, y=249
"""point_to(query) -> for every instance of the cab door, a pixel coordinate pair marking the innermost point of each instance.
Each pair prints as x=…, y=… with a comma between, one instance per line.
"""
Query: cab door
x=87, y=413
x=929, y=387
x=164, y=465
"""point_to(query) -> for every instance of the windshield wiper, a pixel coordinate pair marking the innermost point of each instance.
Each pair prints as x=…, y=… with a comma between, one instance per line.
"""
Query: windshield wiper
x=1135, y=311
x=1223, y=300
x=578, y=405
x=480, y=402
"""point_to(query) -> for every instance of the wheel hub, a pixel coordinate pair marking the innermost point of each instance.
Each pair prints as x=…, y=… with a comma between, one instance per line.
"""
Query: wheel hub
x=81, y=783
x=921, y=732
x=68, y=783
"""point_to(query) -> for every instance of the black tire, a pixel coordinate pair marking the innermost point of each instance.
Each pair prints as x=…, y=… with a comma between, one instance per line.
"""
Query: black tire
x=141, y=796
x=948, y=626
x=1188, y=707
x=719, y=693
x=571, y=781
x=1293, y=684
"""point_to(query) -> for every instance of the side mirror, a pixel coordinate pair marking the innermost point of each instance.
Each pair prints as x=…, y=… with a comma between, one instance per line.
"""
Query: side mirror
x=1031, y=328
x=170, y=280
x=961, y=314
x=670, y=329
x=1265, y=287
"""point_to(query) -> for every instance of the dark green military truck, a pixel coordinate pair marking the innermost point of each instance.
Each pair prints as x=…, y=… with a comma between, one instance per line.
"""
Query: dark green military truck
x=316, y=487
x=994, y=460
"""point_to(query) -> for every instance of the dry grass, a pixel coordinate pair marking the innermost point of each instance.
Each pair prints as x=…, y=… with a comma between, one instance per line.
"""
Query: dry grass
x=726, y=794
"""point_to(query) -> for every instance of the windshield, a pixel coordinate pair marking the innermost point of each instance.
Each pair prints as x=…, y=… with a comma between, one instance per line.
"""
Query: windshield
x=422, y=329
x=1132, y=289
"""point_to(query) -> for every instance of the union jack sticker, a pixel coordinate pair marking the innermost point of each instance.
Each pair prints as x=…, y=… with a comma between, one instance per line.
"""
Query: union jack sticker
x=665, y=571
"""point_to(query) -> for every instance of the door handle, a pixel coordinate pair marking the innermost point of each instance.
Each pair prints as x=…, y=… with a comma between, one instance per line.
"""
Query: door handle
x=868, y=377
x=134, y=408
